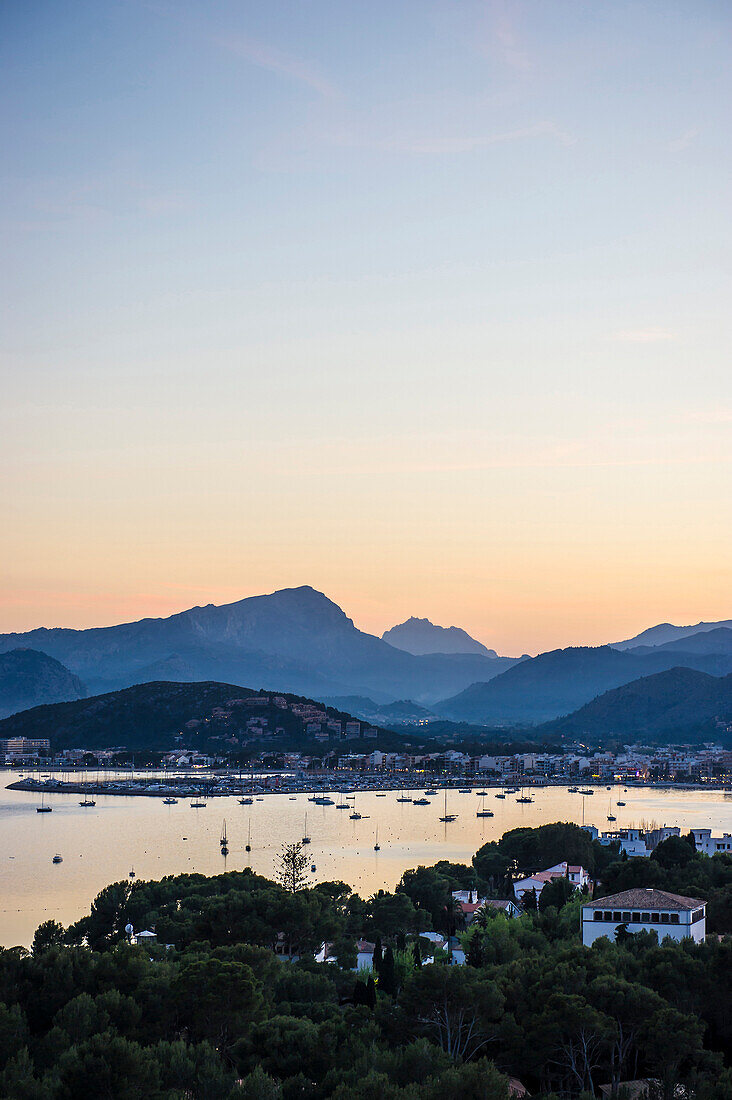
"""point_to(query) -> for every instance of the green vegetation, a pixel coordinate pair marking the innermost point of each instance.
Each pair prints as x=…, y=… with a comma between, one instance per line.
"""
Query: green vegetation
x=211, y=716
x=231, y=1005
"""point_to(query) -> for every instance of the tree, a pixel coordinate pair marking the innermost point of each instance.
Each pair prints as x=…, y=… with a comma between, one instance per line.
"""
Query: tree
x=674, y=852
x=556, y=893
x=377, y=957
x=416, y=953
x=455, y=1005
x=370, y=993
x=48, y=934
x=387, y=974
x=291, y=867
x=672, y=1044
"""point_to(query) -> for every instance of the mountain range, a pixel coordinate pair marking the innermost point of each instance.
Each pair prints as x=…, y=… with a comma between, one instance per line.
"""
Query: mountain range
x=292, y=640
x=559, y=682
x=297, y=640
x=680, y=703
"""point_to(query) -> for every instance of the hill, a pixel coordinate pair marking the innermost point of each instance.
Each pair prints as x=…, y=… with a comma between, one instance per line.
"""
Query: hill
x=680, y=702
x=667, y=632
x=559, y=682
x=295, y=639
x=28, y=678
x=206, y=716
x=400, y=712
x=420, y=636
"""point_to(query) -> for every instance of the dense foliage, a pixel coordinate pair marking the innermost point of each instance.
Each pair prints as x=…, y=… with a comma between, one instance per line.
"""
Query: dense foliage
x=230, y=1004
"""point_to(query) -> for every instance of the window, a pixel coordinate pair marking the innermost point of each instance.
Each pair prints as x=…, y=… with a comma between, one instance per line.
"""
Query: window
x=617, y=916
x=636, y=918
x=646, y=918
x=626, y=918
x=697, y=915
x=664, y=918
x=599, y=914
x=654, y=918
x=608, y=915
x=674, y=918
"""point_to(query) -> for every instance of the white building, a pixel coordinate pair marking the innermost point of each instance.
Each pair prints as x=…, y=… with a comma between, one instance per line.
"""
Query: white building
x=709, y=844
x=644, y=909
x=573, y=872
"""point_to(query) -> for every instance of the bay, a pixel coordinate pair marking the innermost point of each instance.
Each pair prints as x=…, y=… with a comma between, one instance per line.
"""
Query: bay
x=101, y=844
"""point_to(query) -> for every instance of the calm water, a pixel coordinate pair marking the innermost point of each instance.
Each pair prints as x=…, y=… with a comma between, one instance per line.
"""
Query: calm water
x=100, y=844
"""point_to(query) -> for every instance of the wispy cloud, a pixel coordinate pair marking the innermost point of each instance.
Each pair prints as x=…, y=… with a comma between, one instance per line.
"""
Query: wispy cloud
x=683, y=141
x=643, y=336
x=352, y=137
x=277, y=61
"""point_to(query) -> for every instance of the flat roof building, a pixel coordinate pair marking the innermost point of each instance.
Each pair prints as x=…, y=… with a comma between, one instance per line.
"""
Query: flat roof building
x=645, y=909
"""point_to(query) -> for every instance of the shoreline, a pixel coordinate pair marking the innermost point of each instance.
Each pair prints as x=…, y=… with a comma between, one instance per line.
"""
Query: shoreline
x=329, y=785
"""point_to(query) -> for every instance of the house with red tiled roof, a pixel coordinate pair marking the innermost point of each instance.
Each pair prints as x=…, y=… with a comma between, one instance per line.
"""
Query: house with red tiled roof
x=470, y=905
x=575, y=874
x=644, y=909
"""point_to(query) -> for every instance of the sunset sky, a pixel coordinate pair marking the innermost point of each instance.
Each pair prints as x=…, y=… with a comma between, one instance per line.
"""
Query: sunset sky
x=425, y=304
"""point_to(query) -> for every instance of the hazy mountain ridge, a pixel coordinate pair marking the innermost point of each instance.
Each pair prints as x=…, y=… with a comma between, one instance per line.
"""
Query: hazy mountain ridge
x=28, y=678
x=560, y=681
x=420, y=636
x=292, y=640
x=678, y=702
x=666, y=632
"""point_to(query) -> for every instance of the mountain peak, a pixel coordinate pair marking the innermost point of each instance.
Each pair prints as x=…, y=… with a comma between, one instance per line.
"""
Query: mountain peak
x=420, y=636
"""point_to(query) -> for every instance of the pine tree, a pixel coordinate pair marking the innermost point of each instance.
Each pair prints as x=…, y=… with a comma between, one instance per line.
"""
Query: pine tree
x=387, y=974
x=378, y=957
x=417, y=954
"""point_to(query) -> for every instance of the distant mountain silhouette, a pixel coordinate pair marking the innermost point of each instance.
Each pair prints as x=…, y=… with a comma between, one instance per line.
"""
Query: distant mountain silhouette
x=706, y=641
x=28, y=678
x=666, y=632
x=292, y=640
x=420, y=636
x=401, y=711
x=563, y=680
x=680, y=702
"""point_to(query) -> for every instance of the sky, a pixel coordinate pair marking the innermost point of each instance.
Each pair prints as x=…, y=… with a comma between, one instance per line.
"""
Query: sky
x=425, y=304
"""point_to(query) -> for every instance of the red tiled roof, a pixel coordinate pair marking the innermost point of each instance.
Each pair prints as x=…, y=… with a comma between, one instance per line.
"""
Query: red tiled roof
x=645, y=897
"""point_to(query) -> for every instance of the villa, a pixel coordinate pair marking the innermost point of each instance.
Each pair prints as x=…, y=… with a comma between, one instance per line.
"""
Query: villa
x=576, y=874
x=644, y=909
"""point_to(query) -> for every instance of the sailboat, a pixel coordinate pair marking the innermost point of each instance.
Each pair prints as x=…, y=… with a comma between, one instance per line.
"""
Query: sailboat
x=306, y=838
x=43, y=808
x=248, y=845
x=224, y=843
x=355, y=816
x=610, y=815
x=132, y=872
x=482, y=812
x=447, y=816
x=377, y=846
x=86, y=800
x=404, y=797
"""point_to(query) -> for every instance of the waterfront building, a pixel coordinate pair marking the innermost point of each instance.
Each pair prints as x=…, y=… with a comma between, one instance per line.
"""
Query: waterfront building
x=644, y=909
x=709, y=844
